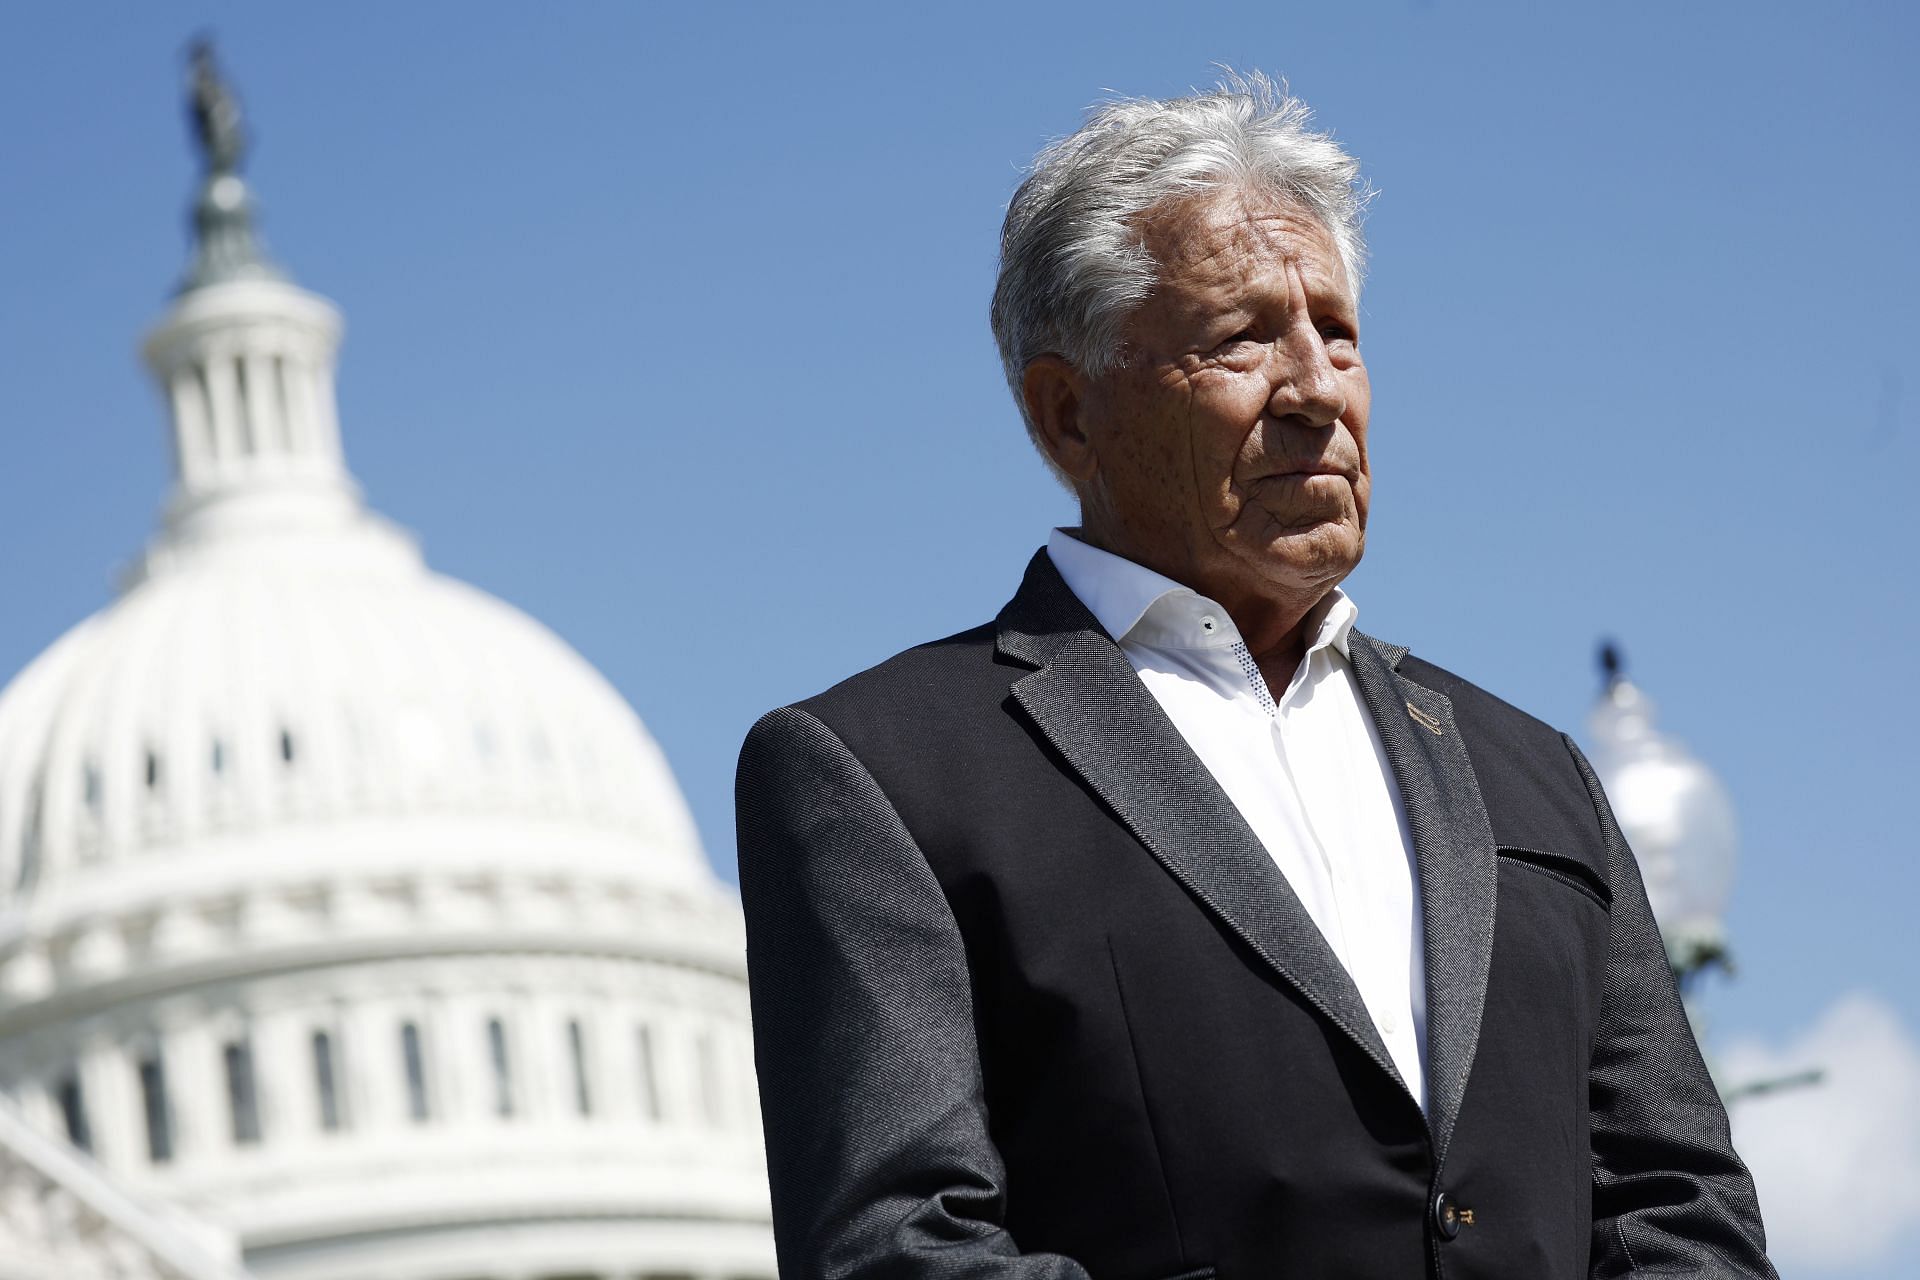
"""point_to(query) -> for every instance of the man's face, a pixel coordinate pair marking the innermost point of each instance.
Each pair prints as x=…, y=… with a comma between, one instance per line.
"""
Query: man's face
x=1230, y=450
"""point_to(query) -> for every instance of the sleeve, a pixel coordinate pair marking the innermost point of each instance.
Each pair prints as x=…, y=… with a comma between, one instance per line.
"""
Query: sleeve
x=878, y=1154
x=1670, y=1197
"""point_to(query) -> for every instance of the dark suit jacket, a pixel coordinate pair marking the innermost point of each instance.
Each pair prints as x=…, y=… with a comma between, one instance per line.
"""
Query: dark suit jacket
x=1031, y=1000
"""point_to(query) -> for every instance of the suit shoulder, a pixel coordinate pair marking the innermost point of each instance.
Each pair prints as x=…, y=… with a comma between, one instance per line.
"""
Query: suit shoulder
x=928, y=726
x=930, y=684
x=913, y=676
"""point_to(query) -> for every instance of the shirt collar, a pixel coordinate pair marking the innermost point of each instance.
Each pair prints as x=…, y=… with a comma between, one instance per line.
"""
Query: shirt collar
x=1137, y=605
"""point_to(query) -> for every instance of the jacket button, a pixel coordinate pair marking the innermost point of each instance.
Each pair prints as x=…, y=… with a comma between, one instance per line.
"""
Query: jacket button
x=1446, y=1216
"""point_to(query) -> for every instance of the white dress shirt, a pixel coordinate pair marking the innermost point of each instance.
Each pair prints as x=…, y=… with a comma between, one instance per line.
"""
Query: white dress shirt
x=1307, y=771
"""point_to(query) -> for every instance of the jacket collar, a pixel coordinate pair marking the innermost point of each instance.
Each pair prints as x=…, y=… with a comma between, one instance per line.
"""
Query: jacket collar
x=1086, y=699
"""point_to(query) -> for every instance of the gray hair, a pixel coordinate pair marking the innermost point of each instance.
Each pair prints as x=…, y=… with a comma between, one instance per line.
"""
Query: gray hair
x=1072, y=265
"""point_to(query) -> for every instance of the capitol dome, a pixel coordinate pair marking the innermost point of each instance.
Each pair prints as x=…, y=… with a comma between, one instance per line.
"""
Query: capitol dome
x=341, y=904
x=254, y=685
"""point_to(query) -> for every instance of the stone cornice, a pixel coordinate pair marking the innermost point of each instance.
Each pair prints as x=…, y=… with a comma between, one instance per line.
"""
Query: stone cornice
x=79, y=962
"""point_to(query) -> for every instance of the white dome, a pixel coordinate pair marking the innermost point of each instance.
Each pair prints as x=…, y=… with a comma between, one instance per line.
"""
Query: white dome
x=300, y=679
x=345, y=906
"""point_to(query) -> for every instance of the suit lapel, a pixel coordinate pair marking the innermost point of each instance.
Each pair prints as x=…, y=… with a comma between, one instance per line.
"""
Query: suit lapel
x=1453, y=844
x=1089, y=703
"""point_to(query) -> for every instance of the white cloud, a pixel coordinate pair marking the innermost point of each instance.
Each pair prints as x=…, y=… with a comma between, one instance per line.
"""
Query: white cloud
x=1837, y=1164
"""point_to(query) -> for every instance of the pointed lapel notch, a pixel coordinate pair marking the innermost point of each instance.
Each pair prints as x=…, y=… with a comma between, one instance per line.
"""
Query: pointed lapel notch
x=1453, y=844
x=1089, y=703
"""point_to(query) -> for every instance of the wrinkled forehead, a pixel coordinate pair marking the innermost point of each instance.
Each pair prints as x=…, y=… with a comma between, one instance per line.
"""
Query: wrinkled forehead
x=1221, y=238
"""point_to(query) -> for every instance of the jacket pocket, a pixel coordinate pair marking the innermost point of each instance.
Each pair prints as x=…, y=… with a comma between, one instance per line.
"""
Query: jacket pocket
x=1569, y=871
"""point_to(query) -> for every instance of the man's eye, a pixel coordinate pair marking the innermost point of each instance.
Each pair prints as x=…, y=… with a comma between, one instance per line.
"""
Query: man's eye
x=1333, y=331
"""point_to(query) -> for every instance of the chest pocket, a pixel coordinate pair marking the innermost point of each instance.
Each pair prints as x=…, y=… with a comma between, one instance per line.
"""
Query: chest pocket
x=1571, y=872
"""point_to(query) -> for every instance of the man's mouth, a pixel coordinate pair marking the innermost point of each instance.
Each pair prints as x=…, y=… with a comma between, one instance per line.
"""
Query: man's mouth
x=1312, y=469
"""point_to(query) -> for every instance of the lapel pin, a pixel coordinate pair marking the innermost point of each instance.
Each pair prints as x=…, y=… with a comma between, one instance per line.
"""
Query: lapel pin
x=1426, y=720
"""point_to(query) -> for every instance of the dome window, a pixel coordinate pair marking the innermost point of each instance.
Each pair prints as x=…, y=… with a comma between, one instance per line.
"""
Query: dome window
x=333, y=1116
x=413, y=1059
x=286, y=746
x=243, y=1098
x=153, y=769
x=90, y=788
x=218, y=757
x=649, y=1077
x=502, y=1068
x=153, y=1098
x=73, y=1110
x=577, y=1051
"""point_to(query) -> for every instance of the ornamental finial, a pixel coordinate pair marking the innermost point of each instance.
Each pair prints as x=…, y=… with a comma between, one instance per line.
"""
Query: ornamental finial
x=225, y=247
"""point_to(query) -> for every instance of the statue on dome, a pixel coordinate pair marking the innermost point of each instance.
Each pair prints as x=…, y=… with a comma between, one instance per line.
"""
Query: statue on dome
x=216, y=112
x=225, y=247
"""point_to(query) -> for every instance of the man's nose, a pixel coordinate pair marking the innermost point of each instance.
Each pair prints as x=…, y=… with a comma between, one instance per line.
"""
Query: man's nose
x=1307, y=388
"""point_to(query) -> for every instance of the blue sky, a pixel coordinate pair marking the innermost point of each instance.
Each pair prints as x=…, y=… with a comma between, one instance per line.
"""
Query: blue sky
x=668, y=326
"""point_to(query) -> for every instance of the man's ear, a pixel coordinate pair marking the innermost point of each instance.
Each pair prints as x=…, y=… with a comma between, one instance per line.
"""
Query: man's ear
x=1056, y=396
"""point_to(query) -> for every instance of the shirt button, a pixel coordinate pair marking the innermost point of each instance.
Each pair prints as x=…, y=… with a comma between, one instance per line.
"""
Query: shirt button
x=1389, y=1023
x=1208, y=623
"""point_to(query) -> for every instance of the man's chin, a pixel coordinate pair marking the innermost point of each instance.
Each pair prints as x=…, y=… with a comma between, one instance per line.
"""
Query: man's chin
x=1318, y=554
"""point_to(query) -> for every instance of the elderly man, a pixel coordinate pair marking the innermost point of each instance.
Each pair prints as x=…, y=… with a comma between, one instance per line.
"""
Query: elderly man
x=1168, y=926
